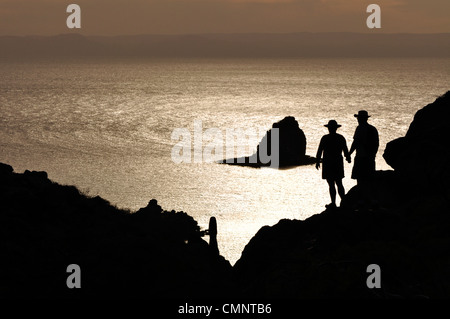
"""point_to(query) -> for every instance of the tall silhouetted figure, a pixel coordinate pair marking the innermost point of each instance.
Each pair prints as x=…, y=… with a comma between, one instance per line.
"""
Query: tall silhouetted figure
x=332, y=146
x=365, y=143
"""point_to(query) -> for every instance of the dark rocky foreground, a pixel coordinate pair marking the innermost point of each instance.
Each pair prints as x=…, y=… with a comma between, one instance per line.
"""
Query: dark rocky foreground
x=44, y=227
x=403, y=225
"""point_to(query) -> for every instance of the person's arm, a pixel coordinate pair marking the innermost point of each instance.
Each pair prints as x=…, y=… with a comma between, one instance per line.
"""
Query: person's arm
x=352, y=148
x=376, y=142
x=319, y=154
x=354, y=143
x=345, y=149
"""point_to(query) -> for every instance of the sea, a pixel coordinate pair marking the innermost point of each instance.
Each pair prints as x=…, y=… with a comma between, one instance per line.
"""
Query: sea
x=107, y=127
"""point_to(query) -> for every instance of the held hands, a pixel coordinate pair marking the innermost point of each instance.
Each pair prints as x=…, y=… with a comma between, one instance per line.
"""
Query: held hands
x=348, y=158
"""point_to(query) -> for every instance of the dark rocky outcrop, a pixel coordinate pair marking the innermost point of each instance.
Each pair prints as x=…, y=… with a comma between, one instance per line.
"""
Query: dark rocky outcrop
x=152, y=253
x=423, y=156
x=291, y=148
x=402, y=226
x=327, y=255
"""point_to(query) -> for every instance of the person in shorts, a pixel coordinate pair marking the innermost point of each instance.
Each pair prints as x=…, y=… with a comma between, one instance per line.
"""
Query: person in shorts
x=332, y=146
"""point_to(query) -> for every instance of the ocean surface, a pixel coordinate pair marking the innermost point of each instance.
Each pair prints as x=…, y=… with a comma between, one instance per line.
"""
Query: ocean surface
x=107, y=127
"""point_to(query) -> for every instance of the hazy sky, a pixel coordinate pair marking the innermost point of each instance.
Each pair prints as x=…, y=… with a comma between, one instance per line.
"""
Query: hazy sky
x=117, y=17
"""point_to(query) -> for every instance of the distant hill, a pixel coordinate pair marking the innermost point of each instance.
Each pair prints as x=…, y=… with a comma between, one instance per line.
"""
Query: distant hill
x=228, y=45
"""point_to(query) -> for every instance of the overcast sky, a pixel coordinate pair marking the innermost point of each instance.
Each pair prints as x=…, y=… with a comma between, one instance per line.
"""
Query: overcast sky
x=120, y=17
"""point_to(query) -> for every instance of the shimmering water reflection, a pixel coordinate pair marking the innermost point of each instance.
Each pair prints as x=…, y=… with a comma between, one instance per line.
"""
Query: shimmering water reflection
x=106, y=127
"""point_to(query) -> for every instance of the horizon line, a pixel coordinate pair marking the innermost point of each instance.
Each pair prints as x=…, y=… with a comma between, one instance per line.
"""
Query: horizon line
x=225, y=33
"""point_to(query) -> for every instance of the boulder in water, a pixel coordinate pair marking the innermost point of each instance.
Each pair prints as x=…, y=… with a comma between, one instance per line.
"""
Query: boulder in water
x=291, y=148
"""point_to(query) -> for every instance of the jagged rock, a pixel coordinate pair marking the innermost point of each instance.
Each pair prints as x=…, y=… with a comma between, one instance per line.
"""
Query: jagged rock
x=151, y=209
x=327, y=255
x=292, y=147
x=37, y=176
x=423, y=155
x=5, y=169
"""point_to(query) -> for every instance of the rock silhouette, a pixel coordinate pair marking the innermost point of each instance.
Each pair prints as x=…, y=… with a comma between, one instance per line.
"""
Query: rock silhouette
x=292, y=147
x=403, y=229
x=423, y=155
x=152, y=253
x=212, y=232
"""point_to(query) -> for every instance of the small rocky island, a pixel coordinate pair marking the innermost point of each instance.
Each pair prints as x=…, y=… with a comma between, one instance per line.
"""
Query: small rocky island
x=292, y=148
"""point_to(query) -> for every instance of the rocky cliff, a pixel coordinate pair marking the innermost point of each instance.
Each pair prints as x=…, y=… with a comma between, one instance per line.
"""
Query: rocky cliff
x=402, y=227
x=423, y=156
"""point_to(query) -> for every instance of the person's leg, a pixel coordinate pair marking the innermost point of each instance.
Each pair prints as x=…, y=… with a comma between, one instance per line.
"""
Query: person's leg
x=332, y=191
x=340, y=188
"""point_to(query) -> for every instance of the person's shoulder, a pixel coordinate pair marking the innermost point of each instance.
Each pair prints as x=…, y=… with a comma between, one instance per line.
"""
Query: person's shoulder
x=357, y=131
x=372, y=128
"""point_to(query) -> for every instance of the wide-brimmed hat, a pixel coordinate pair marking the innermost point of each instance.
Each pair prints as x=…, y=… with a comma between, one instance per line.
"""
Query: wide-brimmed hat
x=332, y=123
x=362, y=114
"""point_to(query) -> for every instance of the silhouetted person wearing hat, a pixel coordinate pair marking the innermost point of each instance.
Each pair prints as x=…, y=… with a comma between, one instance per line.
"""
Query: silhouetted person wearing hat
x=332, y=146
x=365, y=143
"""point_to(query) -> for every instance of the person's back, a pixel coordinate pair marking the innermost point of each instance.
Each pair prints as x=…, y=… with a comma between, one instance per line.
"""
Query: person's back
x=333, y=146
x=366, y=140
